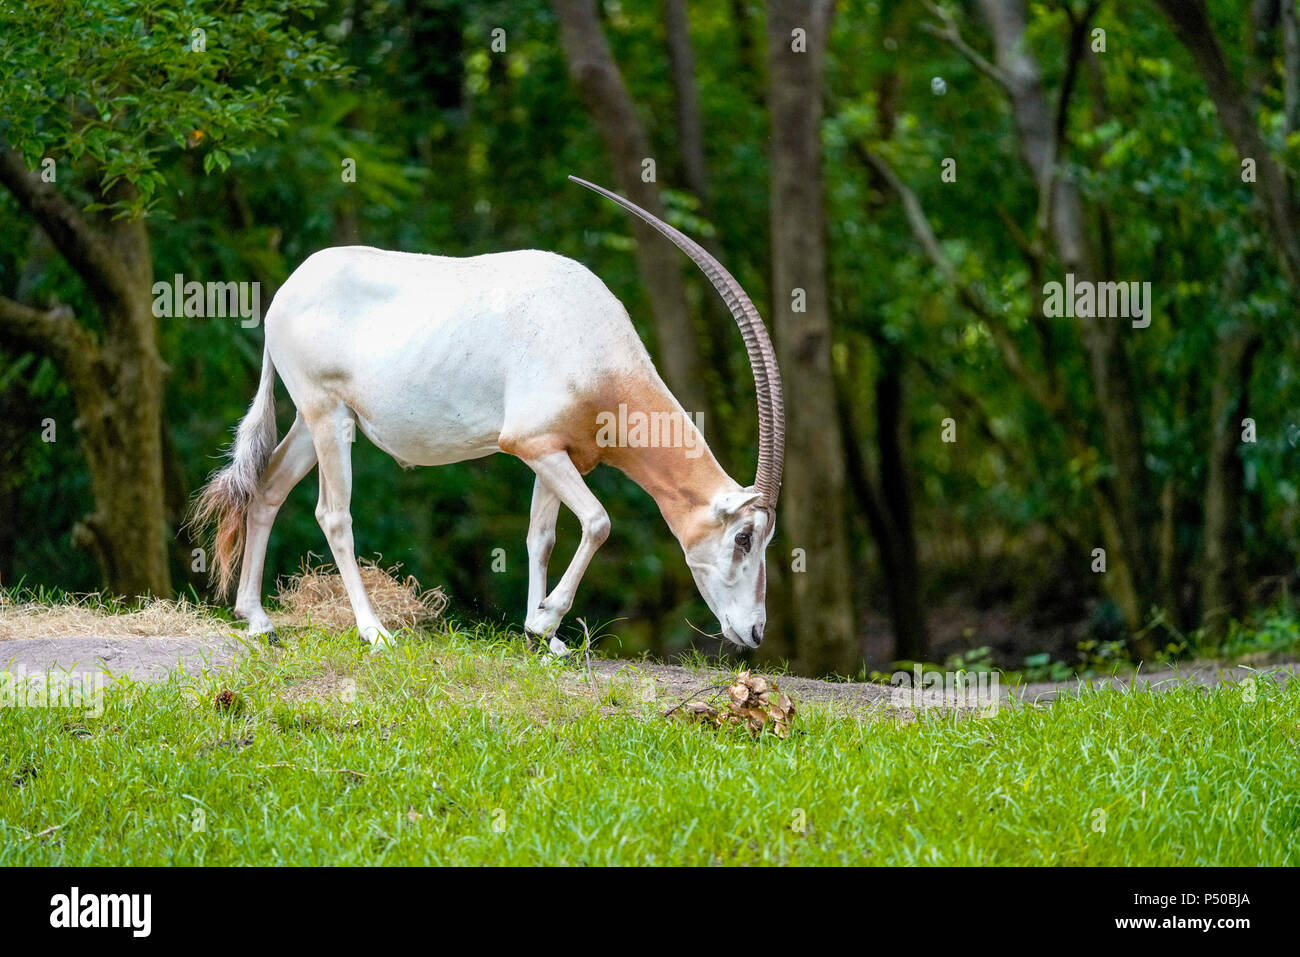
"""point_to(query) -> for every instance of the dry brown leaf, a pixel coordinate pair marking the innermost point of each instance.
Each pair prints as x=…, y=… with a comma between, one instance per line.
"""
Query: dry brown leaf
x=750, y=703
x=702, y=713
x=227, y=701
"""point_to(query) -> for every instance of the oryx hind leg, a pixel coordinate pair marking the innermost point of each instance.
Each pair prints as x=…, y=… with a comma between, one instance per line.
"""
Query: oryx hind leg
x=292, y=459
x=333, y=434
x=558, y=473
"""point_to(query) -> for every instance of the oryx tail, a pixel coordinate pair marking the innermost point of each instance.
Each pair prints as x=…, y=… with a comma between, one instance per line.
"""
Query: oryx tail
x=225, y=498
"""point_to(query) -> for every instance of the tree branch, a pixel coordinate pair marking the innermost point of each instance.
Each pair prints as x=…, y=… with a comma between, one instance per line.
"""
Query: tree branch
x=1077, y=42
x=1191, y=24
x=54, y=333
x=925, y=237
x=951, y=33
x=76, y=238
x=1290, y=67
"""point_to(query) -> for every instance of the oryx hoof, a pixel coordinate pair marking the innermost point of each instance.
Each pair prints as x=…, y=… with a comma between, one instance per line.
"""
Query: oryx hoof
x=543, y=620
x=538, y=643
x=376, y=637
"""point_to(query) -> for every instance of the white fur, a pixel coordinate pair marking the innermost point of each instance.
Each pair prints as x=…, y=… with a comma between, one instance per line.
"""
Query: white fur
x=435, y=359
x=445, y=355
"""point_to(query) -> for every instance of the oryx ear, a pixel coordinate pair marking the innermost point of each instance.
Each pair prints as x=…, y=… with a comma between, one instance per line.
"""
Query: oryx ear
x=728, y=504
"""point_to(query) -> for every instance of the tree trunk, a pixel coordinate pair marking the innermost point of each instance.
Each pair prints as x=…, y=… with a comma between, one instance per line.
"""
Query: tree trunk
x=1223, y=587
x=1222, y=593
x=116, y=383
x=121, y=429
x=821, y=625
x=719, y=327
x=122, y=438
x=1191, y=23
x=1129, y=579
x=889, y=512
x=686, y=101
x=597, y=78
x=910, y=632
x=1169, y=570
x=1290, y=67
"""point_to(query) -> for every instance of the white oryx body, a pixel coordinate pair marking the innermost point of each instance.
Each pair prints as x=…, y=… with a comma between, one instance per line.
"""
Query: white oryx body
x=440, y=357
x=439, y=360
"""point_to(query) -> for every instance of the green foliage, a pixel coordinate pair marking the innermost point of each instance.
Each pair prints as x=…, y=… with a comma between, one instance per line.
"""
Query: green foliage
x=1273, y=631
x=973, y=659
x=116, y=86
x=1041, y=667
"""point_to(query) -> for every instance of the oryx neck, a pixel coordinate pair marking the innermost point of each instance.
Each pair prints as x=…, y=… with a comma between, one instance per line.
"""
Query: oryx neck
x=652, y=440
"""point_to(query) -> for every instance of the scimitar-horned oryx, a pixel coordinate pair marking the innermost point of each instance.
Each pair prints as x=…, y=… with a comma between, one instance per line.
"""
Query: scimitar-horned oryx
x=438, y=360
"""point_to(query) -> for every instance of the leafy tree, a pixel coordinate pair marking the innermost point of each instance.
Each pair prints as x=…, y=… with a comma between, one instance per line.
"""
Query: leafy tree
x=97, y=99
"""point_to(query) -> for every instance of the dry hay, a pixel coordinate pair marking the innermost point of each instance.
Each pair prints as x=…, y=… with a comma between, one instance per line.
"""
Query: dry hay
x=94, y=616
x=316, y=596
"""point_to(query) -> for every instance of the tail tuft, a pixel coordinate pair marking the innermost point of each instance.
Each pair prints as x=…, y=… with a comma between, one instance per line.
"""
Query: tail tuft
x=224, y=501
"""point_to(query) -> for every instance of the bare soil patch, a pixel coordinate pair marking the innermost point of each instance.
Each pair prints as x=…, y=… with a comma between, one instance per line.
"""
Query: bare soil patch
x=142, y=658
x=674, y=683
x=125, y=651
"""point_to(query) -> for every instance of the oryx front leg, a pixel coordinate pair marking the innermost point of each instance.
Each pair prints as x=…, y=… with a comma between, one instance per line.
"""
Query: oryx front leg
x=333, y=435
x=556, y=472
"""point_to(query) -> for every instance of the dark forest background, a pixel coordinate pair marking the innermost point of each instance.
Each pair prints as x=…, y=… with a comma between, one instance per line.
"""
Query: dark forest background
x=956, y=456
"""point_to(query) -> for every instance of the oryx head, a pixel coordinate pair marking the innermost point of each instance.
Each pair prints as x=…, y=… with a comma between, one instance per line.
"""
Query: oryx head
x=728, y=558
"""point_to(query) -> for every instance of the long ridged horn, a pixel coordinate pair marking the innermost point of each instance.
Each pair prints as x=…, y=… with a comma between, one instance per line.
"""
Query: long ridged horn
x=762, y=357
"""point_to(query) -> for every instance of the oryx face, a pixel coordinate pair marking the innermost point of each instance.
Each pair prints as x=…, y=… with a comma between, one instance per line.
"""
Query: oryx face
x=729, y=564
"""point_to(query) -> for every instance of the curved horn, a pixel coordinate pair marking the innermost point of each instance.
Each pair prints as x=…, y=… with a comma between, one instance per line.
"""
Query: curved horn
x=762, y=357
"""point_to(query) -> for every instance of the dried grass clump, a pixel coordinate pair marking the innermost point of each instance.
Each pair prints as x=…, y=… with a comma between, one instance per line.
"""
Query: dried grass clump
x=316, y=596
x=95, y=616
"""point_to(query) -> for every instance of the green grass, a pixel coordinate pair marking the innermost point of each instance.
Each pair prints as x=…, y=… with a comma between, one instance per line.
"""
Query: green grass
x=461, y=749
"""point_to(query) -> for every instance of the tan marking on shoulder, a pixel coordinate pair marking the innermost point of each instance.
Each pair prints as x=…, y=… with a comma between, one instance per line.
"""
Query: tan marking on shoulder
x=572, y=430
x=683, y=486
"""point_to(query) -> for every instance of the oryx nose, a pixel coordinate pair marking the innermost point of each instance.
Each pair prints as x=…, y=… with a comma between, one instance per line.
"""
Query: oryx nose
x=756, y=634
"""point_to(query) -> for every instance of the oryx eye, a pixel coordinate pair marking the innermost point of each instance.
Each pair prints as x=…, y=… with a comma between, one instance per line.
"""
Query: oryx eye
x=743, y=541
